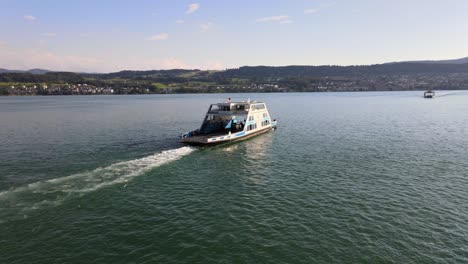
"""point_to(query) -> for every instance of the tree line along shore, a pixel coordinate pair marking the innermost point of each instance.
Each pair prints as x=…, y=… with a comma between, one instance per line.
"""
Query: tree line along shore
x=383, y=77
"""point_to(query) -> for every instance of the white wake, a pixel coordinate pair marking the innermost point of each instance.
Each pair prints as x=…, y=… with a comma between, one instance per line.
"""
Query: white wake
x=55, y=191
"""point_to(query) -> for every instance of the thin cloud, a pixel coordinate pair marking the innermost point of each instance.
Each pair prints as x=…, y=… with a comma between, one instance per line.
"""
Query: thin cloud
x=29, y=17
x=285, y=21
x=28, y=59
x=206, y=26
x=162, y=36
x=310, y=11
x=327, y=4
x=180, y=21
x=192, y=8
x=49, y=34
x=272, y=19
x=137, y=63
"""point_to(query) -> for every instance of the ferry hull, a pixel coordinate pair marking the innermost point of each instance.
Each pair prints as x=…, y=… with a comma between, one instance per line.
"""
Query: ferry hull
x=205, y=139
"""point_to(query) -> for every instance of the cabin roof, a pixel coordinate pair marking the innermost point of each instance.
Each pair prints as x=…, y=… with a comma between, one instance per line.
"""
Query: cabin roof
x=238, y=103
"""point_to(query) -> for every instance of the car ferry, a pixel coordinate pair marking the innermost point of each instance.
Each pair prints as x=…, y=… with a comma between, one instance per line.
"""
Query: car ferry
x=231, y=121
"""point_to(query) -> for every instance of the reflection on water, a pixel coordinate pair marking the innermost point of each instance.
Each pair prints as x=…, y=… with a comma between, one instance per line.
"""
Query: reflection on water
x=230, y=148
x=257, y=146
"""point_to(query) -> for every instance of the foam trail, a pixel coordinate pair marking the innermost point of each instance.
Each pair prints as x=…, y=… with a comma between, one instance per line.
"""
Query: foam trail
x=53, y=192
x=449, y=94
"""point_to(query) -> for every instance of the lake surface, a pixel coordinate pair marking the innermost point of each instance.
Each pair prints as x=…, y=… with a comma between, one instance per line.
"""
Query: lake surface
x=346, y=178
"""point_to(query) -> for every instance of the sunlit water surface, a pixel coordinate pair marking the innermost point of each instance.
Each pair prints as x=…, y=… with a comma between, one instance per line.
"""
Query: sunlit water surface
x=347, y=177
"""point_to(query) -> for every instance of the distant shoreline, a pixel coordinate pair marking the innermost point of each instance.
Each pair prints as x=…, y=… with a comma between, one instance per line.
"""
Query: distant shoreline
x=261, y=79
x=66, y=95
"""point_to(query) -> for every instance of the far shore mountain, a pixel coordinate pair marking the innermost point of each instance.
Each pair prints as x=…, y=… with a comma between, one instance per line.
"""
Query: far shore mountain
x=399, y=76
x=170, y=71
x=32, y=71
x=454, y=61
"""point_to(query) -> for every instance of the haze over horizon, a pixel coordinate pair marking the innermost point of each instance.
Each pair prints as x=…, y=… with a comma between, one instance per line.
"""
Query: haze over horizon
x=109, y=36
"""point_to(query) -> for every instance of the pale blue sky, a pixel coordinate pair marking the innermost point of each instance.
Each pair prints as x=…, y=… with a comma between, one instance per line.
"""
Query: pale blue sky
x=105, y=35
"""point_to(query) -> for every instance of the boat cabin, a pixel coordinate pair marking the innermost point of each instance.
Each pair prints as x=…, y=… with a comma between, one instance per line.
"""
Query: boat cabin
x=231, y=120
x=225, y=117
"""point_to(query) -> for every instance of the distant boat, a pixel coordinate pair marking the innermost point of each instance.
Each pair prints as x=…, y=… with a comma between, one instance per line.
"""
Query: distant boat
x=429, y=94
x=231, y=121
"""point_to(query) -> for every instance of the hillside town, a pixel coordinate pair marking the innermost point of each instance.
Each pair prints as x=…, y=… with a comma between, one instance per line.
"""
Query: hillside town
x=455, y=81
x=78, y=89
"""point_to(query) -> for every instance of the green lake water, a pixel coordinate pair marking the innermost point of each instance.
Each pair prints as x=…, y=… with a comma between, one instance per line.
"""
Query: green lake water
x=346, y=178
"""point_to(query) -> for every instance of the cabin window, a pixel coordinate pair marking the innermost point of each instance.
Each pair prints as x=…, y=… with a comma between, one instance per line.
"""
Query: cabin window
x=259, y=106
x=265, y=115
x=221, y=108
x=251, y=127
x=209, y=117
x=251, y=118
x=265, y=123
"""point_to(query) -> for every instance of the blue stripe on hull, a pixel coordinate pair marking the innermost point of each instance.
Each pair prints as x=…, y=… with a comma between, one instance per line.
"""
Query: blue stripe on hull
x=240, y=134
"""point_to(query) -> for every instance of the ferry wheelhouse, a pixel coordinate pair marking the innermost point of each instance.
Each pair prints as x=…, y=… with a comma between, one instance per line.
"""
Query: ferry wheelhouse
x=231, y=121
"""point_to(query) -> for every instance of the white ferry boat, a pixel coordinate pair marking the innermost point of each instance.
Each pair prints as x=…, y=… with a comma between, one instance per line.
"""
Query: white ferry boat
x=429, y=94
x=230, y=121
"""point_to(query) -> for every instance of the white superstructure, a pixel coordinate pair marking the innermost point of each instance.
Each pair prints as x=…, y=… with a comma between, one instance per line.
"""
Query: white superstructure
x=231, y=121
